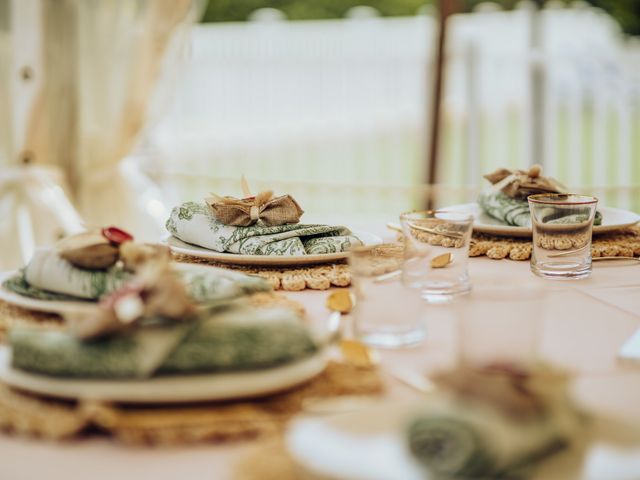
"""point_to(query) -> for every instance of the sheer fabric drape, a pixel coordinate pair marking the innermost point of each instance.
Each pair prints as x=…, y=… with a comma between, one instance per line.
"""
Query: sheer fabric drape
x=97, y=74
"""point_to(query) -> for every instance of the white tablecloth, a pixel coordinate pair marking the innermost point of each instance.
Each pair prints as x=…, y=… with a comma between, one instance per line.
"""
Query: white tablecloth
x=585, y=323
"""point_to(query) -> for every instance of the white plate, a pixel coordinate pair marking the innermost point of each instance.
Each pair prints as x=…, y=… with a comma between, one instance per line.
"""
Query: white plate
x=612, y=219
x=48, y=306
x=170, y=389
x=369, y=445
x=178, y=246
x=63, y=307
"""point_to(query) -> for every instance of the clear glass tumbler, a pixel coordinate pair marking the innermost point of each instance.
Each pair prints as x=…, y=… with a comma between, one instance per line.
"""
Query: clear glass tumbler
x=562, y=226
x=386, y=313
x=436, y=253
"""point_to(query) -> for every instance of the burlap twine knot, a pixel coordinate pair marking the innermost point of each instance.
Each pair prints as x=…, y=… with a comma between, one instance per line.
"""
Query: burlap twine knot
x=522, y=183
x=242, y=212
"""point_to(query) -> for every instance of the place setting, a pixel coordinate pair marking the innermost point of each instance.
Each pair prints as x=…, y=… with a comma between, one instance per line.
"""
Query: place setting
x=272, y=234
x=130, y=331
x=262, y=235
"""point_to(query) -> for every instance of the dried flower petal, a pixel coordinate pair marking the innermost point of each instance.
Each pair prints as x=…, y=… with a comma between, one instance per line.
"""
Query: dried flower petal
x=116, y=235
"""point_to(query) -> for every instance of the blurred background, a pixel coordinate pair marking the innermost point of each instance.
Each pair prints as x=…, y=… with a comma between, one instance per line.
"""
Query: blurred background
x=334, y=98
x=360, y=109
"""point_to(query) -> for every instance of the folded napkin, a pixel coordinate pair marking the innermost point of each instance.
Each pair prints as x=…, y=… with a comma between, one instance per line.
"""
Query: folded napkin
x=195, y=223
x=49, y=277
x=469, y=444
x=512, y=211
x=515, y=211
x=231, y=339
x=507, y=199
x=48, y=271
x=496, y=422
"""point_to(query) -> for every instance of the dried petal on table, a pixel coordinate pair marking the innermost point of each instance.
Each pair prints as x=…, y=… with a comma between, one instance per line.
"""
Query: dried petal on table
x=441, y=261
x=340, y=301
x=357, y=353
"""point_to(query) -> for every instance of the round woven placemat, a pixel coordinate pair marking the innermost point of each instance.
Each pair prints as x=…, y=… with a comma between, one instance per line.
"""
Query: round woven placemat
x=621, y=243
x=314, y=277
x=295, y=278
x=33, y=415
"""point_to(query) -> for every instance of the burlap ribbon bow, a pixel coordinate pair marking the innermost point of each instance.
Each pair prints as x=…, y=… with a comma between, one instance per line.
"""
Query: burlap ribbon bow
x=247, y=211
x=522, y=183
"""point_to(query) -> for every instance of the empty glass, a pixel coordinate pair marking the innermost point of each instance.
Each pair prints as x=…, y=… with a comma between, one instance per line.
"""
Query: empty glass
x=436, y=253
x=562, y=226
x=386, y=313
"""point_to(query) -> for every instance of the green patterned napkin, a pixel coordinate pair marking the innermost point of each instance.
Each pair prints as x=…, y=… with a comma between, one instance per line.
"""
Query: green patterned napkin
x=231, y=339
x=506, y=209
x=514, y=211
x=194, y=223
x=464, y=443
x=49, y=277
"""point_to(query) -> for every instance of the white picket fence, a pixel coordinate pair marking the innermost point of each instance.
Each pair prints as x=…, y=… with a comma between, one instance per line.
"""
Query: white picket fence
x=332, y=108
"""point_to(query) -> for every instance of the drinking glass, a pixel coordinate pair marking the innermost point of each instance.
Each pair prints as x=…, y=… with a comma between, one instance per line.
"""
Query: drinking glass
x=562, y=226
x=436, y=253
x=386, y=313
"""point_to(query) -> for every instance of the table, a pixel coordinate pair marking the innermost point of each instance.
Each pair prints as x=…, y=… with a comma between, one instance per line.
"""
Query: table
x=586, y=323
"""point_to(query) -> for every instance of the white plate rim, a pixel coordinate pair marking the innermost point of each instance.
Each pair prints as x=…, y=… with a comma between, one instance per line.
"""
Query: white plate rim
x=511, y=231
x=185, y=248
x=169, y=389
x=47, y=306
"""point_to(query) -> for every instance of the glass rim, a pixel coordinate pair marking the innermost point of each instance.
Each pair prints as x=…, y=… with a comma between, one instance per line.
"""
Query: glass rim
x=463, y=215
x=556, y=199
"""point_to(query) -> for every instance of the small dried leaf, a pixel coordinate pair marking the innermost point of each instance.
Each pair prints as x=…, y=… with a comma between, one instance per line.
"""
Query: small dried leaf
x=357, y=353
x=340, y=301
x=94, y=257
x=441, y=261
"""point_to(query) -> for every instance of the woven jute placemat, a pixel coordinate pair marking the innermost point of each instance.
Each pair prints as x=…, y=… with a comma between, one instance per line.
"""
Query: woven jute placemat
x=296, y=278
x=621, y=243
x=33, y=415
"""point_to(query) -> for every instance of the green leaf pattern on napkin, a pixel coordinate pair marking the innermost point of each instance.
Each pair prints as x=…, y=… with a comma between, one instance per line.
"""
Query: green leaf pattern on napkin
x=231, y=339
x=97, y=283
x=506, y=209
x=194, y=223
x=516, y=212
x=210, y=287
x=18, y=284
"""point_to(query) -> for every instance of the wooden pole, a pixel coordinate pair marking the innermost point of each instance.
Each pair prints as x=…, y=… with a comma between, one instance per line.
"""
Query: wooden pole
x=446, y=9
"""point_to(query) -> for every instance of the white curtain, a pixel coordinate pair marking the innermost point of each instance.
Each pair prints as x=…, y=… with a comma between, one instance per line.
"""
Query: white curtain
x=96, y=75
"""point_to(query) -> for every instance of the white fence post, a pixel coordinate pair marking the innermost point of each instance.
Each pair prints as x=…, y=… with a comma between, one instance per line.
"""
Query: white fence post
x=471, y=56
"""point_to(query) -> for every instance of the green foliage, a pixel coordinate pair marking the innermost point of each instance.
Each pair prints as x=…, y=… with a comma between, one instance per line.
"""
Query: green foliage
x=626, y=12
x=239, y=10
